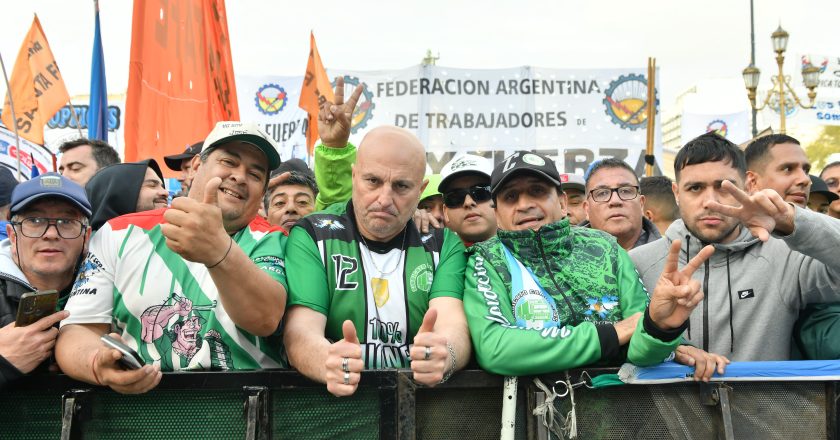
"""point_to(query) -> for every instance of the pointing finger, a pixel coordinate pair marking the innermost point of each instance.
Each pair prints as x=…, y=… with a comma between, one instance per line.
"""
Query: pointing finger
x=698, y=260
x=671, y=262
x=354, y=98
x=339, y=90
x=740, y=195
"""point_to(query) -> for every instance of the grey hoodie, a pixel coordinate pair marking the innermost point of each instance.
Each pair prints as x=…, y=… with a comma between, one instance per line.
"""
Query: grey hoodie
x=753, y=290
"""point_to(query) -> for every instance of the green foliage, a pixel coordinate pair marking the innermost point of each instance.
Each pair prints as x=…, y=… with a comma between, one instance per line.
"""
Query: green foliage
x=827, y=143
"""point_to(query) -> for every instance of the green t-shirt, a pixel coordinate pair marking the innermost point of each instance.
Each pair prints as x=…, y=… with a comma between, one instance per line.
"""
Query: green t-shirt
x=168, y=308
x=383, y=288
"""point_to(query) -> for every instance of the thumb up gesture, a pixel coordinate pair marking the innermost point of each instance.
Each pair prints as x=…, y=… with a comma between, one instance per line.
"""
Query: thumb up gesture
x=429, y=355
x=344, y=363
x=194, y=229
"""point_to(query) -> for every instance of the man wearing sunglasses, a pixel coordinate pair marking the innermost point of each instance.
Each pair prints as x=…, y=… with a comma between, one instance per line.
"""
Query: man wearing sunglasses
x=831, y=175
x=465, y=185
x=543, y=296
x=614, y=205
x=48, y=234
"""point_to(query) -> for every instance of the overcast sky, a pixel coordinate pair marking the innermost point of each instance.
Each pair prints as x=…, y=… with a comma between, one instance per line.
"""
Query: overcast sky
x=692, y=41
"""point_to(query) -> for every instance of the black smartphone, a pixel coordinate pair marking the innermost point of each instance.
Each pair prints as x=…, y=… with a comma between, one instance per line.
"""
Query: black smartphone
x=35, y=305
x=130, y=358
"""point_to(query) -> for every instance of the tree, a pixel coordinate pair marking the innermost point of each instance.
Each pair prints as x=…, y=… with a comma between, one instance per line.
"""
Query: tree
x=826, y=144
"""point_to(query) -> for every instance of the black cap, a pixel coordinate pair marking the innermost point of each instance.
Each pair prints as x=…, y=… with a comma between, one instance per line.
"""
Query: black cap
x=523, y=162
x=297, y=165
x=174, y=162
x=818, y=186
x=7, y=184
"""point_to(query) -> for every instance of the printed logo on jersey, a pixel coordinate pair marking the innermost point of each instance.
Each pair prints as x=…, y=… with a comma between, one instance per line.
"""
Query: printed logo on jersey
x=178, y=331
x=345, y=267
x=744, y=294
x=600, y=307
x=421, y=278
x=331, y=224
x=532, y=310
x=270, y=263
x=90, y=267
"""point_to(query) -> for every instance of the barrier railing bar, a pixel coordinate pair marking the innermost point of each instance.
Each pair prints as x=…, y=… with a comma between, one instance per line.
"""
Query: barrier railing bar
x=74, y=410
x=257, y=413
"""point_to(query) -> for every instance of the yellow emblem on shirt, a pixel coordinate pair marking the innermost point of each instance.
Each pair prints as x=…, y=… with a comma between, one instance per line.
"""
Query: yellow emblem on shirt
x=381, y=295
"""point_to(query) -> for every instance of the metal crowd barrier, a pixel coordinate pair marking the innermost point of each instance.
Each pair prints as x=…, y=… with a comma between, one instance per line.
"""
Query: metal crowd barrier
x=388, y=405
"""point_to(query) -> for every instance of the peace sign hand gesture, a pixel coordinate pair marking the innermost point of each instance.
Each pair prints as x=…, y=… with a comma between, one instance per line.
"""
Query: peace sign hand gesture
x=335, y=118
x=676, y=294
x=762, y=212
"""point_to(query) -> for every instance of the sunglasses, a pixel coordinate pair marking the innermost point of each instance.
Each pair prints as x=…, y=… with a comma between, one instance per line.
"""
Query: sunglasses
x=455, y=198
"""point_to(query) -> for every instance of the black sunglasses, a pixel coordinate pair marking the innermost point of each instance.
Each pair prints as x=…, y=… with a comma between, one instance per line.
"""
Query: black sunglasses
x=455, y=198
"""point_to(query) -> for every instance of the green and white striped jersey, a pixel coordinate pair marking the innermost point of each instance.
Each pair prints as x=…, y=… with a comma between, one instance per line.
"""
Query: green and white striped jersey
x=168, y=308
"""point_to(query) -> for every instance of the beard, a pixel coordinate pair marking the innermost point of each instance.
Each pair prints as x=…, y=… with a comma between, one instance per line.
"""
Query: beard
x=713, y=236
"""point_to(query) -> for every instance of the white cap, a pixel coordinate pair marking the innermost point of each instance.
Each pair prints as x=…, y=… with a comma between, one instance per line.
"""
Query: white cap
x=464, y=164
x=229, y=131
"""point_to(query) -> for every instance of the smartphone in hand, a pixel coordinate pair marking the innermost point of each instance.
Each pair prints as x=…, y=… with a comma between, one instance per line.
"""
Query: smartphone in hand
x=130, y=358
x=35, y=305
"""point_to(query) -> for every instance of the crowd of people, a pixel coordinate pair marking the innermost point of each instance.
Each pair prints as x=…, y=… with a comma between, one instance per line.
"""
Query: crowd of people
x=367, y=263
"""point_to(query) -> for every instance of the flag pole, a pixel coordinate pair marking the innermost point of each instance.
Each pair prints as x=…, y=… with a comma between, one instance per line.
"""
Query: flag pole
x=75, y=118
x=14, y=117
x=651, y=115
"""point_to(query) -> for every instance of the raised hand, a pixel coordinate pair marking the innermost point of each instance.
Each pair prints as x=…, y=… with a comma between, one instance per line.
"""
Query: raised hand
x=344, y=363
x=335, y=118
x=676, y=294
x=194, y=230
x=762, y=212
x=429, y=354
x=425, y=221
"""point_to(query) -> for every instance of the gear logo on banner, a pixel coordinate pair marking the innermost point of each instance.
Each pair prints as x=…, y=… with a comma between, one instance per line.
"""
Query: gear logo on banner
x=365, y=106
x=271, y=99
x=626, y=101
x=718, y=126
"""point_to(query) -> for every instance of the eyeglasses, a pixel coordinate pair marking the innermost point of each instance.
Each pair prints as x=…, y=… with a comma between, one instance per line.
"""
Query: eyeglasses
x=36, y=227
x=832, y=184
x=605, y=194
x=455, y=198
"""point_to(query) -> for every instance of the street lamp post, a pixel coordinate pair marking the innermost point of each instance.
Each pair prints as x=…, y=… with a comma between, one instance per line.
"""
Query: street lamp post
x=781, y=83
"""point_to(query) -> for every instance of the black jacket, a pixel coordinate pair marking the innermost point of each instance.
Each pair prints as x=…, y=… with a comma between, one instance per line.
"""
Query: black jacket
x=13, y=284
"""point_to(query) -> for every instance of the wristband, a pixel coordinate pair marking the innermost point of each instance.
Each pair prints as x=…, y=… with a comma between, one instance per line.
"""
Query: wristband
x=226, y=254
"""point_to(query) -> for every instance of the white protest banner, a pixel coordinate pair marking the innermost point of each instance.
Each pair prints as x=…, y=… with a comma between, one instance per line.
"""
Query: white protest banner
x=829, y=72
x=574, y=115
x=733, y=126
x=30, y=154
x=272, y=103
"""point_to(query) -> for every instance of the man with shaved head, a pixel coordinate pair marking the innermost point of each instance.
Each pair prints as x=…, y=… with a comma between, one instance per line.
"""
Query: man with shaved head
x=367, y=290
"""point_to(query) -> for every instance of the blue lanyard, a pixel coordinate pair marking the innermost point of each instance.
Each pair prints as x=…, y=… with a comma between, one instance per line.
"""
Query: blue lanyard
x=533, y=307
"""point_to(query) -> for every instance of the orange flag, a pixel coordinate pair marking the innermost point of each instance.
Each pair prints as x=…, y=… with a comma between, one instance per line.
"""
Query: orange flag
x=36, y=87
x=315, y=84
x=180, y=76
